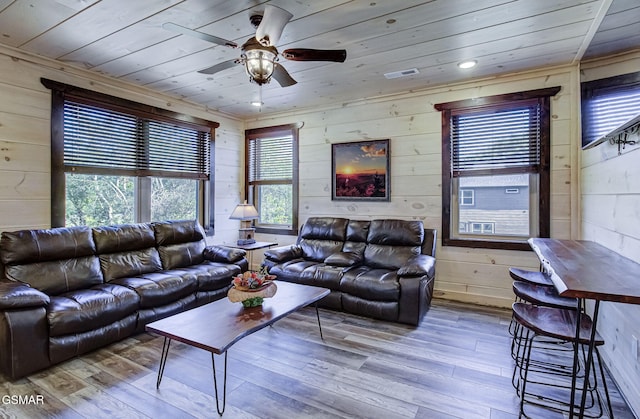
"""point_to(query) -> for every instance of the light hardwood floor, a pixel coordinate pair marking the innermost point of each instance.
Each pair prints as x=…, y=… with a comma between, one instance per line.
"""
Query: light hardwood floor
x=456, y=364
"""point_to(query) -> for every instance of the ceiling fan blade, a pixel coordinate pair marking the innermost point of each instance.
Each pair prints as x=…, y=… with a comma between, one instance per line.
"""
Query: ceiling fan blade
x=272, y=25
x=201, y=35
x=219, y=67
x=282, y=76
x=306, y=54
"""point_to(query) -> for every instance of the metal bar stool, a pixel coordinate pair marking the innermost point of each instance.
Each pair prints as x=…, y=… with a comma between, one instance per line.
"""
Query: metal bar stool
x=538, y=365
x=532, y=277
x=537, y=295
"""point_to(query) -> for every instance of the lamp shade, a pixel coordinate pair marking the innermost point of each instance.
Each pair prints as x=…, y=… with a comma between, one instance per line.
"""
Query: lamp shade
x=244, y=212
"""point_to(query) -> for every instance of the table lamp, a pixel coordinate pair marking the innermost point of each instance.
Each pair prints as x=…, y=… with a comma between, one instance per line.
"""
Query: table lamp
x=245, y=213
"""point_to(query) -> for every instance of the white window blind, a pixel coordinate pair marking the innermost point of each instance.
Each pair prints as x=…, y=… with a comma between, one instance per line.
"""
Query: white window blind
x=271, y=159
x=503, y=141
x=126, y=144
x=608, y=110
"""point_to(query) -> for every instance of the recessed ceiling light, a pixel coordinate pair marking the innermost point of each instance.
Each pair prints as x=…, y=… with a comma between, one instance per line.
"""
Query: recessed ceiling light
x=467, y=64
x=257, y=103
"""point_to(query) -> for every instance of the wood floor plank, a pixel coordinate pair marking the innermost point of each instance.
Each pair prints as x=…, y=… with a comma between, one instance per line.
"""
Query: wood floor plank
x=455, y=364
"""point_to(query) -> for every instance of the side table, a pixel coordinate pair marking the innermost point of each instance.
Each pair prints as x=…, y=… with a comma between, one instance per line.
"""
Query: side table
x=249, y=248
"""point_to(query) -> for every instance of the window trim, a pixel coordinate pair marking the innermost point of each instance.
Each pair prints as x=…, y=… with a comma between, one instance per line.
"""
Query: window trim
x=286, y=129
x=489, y=103
x=61, y=91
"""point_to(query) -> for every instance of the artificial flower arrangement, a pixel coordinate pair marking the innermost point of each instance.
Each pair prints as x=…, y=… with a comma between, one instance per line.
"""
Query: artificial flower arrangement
x=252, y=282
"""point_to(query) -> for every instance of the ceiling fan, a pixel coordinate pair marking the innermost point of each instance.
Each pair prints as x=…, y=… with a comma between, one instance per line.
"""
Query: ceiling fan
x=259, y=54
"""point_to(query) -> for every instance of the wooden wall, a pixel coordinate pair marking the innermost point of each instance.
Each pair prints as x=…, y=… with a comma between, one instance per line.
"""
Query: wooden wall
x=414, y=128
x=25, y=140
x=610, y=194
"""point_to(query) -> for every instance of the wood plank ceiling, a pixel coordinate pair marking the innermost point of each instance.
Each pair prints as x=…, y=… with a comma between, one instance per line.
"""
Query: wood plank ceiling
x=124, y=39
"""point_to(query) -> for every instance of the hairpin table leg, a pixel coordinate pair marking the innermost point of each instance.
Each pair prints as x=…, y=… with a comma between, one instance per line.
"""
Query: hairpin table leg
x=318, y=316
x=215, y=384
x=163, y=359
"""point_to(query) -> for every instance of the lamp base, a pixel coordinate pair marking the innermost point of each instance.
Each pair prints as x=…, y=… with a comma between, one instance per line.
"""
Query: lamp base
x=245, y=236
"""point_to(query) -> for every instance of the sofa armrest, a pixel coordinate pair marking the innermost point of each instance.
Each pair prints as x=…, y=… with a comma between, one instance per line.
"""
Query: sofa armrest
x=16, y=295
x=224, y=254
x=344, y=259
x=283, y=253
x=418, y=265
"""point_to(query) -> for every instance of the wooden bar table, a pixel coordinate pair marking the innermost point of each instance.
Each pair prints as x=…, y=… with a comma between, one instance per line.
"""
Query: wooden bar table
x=588, y=270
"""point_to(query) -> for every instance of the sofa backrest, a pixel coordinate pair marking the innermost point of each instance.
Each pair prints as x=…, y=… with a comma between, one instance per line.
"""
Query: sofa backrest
x=321, y=237
x=126, y=250
x=53, y=261
x=180, y=243
x=390, y=243
x=356, y=238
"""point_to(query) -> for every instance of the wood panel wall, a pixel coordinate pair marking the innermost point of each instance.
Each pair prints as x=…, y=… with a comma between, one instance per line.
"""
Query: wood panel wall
x=414, y=128
x=25, y=113
x=610, y=194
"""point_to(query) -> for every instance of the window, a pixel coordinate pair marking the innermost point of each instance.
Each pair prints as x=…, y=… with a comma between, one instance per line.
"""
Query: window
x=466, y=196
x=272, y=177
x=116, y=161
x=482, y=228
x=607, y=104
x=491, y=145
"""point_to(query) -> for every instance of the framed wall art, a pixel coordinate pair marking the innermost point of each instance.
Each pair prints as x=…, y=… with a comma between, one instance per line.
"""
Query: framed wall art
x=360, y=171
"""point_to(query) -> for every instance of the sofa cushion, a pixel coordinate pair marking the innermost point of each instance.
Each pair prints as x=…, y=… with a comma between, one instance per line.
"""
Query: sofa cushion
x=32, y=246
x=357, y=230
x=371, y=284
x=344, y=259
x=123, y=238
x=388, y=257
x=131, y=263
x=87, y=309
x=308, y=273
x=58, y=276
x=180, y=255
x=180, y=231
x=319, y=250
x=212, y=276
x=320, y=237
x=396, y=233
x=159, y=288
x=324, y=228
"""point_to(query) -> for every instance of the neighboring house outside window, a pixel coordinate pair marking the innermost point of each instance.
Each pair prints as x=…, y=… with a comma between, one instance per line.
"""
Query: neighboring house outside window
x=116, y=162
x=493, y=145
x=272, y=177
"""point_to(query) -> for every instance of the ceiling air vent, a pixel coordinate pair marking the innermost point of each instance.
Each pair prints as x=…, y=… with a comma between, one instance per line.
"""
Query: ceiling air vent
x=401, y=73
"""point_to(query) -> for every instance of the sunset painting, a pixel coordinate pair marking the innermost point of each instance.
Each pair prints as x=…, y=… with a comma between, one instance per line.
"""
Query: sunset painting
x=361, y=171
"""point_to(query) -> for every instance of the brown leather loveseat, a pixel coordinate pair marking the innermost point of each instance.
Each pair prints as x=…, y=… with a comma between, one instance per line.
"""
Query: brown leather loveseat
x=382, y=268
x=66, y=291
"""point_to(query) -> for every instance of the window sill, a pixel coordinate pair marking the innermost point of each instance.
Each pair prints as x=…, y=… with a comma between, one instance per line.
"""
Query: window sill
x=487, y=244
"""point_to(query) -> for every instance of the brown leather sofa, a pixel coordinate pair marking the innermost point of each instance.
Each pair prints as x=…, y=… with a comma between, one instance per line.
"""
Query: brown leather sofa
x=67, y=291
x=382, y=268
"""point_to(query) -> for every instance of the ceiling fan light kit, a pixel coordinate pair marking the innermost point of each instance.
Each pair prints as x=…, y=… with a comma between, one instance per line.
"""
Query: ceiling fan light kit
x=259, y=54
x=259, y=61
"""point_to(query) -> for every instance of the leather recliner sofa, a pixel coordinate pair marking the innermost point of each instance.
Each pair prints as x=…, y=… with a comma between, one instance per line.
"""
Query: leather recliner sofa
x=383, y=269
x=67, y=291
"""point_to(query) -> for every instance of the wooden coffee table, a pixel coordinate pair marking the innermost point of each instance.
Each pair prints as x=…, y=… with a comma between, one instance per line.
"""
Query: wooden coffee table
x=216, y=326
